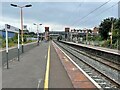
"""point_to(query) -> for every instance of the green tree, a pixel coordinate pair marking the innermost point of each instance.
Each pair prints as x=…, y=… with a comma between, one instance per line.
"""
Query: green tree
x=105, y=27
x=117, y=31
x=117, y=26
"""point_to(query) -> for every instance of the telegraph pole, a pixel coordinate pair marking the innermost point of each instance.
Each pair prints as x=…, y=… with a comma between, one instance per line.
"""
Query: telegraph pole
x=111, y=32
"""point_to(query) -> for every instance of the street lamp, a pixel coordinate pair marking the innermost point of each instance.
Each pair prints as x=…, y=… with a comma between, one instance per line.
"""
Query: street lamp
x=21, y=16
x=37, y=32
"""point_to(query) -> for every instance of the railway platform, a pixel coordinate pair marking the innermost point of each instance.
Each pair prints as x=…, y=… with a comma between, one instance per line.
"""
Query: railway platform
x=47, y=66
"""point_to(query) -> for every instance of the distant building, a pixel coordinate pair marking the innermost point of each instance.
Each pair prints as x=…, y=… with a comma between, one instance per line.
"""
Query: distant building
x=55, y=34
x=24, y=27
x=81, y=32
x=3, y=34
x=12, y=34
x=95, y=31
x=25, y=30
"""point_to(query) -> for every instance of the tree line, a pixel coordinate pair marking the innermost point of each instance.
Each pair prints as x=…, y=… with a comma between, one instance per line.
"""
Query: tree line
x=110, y=25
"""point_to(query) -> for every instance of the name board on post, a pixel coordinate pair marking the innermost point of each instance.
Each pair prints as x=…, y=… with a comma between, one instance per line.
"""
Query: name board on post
x=11, y=28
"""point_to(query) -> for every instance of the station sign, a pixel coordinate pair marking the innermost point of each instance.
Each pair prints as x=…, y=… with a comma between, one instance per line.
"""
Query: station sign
x=11, y=28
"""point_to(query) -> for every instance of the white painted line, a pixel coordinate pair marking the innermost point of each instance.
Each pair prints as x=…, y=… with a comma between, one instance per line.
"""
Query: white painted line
x=45, y=56
x=39, y=82
x=95, y=83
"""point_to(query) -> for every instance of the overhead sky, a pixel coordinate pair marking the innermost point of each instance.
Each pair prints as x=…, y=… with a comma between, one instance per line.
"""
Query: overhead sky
x=58, y=15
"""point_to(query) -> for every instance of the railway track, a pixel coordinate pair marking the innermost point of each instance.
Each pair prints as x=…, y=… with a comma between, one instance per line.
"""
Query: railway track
x=101, y=53
x=111, y=61
x=106, y=75
x=102, y=60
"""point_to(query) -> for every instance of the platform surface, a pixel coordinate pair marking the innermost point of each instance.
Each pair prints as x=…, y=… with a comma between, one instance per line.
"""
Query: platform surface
x=30, y=71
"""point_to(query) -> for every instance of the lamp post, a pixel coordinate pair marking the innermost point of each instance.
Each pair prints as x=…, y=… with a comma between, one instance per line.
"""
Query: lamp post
x=86, y=36
x=21, y=17
x=37, y=32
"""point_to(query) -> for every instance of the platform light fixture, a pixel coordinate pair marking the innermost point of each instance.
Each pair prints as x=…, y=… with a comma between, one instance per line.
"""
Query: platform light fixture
x=21, y=17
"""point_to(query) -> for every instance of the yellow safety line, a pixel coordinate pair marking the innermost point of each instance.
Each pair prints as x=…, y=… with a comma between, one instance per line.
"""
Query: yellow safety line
x=46, y=82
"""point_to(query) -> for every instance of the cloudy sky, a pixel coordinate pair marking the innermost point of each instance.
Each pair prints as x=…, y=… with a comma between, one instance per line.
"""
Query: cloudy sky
x=58, y=15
